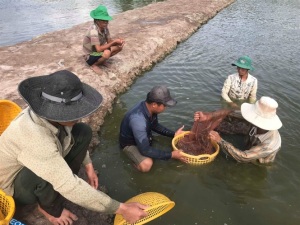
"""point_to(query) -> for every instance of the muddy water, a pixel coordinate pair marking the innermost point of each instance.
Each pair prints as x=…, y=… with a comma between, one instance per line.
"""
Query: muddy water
x=222, y=192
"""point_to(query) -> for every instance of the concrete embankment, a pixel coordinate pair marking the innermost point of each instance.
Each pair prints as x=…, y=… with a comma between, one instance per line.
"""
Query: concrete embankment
x=151, y=32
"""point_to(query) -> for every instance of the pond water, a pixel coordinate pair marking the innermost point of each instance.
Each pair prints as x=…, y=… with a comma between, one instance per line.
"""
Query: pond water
x=24, y=19
x=223, y=192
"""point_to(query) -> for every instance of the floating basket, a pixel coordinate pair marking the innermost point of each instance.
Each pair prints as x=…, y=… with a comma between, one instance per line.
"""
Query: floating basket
x=199, y=159
x=8, y=111
x=158, y=204
x=7, y=208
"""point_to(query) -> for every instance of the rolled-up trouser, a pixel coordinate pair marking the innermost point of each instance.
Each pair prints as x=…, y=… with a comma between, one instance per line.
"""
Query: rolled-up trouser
x=29, y=188
x=134, y=154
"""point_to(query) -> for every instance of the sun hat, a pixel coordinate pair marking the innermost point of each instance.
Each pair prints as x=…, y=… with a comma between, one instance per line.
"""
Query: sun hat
x=100, y=13
x=262, y=113
x=244, y=62
x=161, y=94
x=60, y=96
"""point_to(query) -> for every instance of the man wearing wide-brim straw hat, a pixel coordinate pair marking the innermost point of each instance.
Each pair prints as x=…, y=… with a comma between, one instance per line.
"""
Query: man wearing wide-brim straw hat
x=241, y=86
x=42, y=150
x=98, y=46
x=264, y=140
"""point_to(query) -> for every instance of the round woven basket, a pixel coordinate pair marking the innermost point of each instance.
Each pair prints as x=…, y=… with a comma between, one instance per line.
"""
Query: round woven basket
x=158, y=204
x=196, y=159
x=7, y=208
x=8, y=111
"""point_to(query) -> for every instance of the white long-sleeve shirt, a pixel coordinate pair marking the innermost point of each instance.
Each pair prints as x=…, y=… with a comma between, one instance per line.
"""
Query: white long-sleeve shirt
x=235, y=89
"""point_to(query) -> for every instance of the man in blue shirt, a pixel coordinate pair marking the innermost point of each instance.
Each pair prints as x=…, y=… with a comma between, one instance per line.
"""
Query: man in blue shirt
x=137, y=126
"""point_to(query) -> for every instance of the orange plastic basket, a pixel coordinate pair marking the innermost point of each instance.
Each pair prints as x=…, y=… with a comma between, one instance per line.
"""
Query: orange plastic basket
x=199, y=159
x=158, y=204
x=7, y=208
x=8, y=111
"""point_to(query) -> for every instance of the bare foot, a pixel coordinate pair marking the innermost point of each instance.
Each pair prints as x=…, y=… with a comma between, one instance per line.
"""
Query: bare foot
x=66, y=217
x=96, y=69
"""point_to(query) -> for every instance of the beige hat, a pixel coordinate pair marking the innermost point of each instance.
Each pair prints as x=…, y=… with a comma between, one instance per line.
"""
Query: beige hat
x=262, y=114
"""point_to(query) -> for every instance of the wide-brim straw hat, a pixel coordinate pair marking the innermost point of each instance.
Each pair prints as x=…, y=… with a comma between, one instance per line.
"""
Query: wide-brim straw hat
x=262, y=114
x=60, y=96
x=100, y=13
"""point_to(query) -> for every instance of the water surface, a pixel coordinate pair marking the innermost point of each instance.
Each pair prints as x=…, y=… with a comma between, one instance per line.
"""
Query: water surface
x=222, y=192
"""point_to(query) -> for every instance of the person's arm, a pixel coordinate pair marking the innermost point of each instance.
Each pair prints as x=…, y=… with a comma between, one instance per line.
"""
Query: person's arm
x=118, y=41
x=252, y=95
x=46, y=162
x=90, y=172
x=226, y=89
x=101, y=48
x=97, y=47
x=250, y=155
x=160, y=129
x=92, y=176
x=132, y=211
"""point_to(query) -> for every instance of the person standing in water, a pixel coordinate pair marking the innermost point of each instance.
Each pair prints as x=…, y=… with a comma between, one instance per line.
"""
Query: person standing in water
x=240, y=86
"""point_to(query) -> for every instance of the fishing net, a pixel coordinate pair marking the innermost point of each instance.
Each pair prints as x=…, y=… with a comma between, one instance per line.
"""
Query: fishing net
x=197, y=141
x=224, y=121
x=234, y=123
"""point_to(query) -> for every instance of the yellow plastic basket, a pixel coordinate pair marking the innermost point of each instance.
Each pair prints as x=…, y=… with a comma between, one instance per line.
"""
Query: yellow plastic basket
x=7, y=208
x=196, y=159
x=8, y=111
x=158, y=204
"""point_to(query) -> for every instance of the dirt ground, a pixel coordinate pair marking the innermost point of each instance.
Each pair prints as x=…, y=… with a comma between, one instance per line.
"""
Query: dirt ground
x=150, y=35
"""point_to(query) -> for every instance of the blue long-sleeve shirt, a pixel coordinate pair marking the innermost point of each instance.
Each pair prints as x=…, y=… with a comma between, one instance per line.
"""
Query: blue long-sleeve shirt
x=136, y=129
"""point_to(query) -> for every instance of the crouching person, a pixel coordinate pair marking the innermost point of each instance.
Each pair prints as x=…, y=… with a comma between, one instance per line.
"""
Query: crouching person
x=43, y=148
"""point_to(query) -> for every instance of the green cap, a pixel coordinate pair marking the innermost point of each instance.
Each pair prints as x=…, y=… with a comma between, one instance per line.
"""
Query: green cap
x=100, y=13
x=244, y=62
